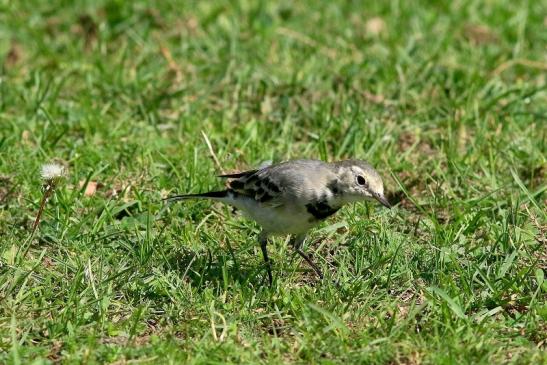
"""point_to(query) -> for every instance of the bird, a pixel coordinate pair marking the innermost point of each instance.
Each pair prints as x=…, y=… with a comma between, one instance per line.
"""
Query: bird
x=291, y=197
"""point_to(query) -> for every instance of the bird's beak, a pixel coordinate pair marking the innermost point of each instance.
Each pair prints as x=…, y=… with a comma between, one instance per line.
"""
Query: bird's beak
x=382, y=199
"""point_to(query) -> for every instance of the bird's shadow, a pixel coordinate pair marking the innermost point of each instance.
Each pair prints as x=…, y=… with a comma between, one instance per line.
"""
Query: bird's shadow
x=203, y=269
x=206, y=269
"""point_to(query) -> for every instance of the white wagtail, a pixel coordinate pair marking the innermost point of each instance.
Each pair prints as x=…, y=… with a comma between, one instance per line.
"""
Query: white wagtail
x=294, y=196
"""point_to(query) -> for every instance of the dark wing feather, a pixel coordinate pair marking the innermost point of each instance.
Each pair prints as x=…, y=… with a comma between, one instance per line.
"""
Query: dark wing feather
x=254, y=184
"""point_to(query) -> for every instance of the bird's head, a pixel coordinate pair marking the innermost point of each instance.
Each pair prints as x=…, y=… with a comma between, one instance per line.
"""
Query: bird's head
x=359, y=181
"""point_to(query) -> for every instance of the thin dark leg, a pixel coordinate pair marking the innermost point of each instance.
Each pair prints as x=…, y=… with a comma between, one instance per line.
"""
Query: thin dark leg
x=263, y=239
x=297, y=244
x=309, y=261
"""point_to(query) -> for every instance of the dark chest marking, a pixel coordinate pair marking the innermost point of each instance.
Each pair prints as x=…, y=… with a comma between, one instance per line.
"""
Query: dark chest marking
x=320, y=209
x=333, y=187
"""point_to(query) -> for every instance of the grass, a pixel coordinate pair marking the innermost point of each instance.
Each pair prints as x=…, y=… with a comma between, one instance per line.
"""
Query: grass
x=446, y=99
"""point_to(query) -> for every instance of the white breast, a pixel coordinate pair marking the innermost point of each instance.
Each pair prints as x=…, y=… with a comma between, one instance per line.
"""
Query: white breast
x=286, y=219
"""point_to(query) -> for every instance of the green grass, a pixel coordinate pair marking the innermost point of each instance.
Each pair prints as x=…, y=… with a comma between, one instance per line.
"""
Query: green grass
x=447, y=99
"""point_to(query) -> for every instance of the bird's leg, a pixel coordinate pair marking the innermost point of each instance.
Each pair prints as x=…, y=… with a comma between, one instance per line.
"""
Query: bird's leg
x=297, y=242
x=263, y=240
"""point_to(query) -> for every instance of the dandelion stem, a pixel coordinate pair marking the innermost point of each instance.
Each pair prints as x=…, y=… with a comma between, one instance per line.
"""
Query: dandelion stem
x=47, y=194
x=22, y=251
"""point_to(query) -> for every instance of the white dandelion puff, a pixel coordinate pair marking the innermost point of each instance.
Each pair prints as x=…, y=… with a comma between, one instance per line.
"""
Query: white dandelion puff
x=52, y=171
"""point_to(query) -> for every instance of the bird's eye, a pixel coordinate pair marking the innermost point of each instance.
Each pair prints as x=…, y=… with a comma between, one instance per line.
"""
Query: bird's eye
x=361, y=180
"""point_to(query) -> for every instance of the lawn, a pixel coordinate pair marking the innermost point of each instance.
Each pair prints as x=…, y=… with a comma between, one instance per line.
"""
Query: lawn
x=138, y=100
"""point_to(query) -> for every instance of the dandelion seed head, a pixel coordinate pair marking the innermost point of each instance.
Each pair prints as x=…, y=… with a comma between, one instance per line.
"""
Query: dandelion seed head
x=52, y=171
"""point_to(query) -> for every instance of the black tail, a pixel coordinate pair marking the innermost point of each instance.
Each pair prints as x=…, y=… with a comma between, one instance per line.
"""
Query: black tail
x=210, y=194
x=237, y=175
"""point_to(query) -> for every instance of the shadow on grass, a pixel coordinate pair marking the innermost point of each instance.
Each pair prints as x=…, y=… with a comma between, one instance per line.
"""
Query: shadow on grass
x=218, y=269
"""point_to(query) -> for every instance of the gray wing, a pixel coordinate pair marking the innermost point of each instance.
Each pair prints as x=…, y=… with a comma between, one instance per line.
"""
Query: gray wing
x=293, y=182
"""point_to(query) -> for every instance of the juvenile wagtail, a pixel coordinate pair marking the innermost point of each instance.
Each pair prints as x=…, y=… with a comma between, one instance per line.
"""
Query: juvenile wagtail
x=294, y=196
